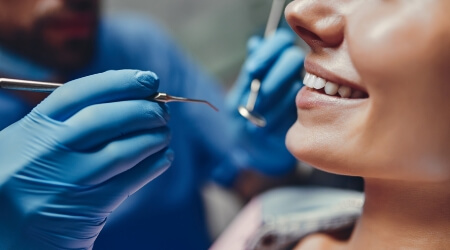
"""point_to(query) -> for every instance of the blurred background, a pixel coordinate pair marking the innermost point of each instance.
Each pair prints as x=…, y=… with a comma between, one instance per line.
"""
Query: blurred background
x=213, y=32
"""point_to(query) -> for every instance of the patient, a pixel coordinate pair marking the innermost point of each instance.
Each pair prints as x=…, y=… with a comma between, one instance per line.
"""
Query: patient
x=377, y=105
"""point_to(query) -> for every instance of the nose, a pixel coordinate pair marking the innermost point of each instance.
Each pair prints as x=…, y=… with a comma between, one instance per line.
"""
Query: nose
x=318, y=22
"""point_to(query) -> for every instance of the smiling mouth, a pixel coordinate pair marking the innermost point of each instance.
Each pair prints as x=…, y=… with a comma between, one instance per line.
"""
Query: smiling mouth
x=323, y=86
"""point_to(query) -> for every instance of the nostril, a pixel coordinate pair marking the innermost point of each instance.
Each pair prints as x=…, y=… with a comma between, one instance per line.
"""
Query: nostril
x=322, y=36
x=312, y=39
x=306, y=34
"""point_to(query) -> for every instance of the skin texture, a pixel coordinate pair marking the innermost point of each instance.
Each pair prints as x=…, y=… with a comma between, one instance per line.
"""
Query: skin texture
x=64, y=29
x=398, y=139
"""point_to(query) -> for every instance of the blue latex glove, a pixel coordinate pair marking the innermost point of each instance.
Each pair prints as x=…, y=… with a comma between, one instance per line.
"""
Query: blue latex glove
x=277, y=62
x=77, y=156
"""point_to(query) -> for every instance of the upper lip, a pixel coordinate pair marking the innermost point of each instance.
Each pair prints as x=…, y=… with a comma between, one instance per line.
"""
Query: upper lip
x=319, y=71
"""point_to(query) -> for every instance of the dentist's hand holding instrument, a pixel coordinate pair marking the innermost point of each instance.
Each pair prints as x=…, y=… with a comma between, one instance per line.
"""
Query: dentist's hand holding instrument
x=77, y=156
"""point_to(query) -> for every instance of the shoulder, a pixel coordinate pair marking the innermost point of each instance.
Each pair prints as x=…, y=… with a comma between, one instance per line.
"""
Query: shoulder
x=134, y=41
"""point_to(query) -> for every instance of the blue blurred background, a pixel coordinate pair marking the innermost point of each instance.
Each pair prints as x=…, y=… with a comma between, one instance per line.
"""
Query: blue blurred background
x=214, y=32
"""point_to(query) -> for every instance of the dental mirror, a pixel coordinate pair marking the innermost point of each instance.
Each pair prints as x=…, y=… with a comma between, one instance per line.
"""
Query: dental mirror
x=272, y=24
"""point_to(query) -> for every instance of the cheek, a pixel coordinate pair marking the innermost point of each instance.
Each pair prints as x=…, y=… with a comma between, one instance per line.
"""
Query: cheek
x=385, y=46
x=399, y=58
x=393, y=55
x=23, y=15
x=17, y=16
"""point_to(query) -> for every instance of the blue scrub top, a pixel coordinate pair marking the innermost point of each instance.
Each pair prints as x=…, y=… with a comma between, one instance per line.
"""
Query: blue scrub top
x=168, y=213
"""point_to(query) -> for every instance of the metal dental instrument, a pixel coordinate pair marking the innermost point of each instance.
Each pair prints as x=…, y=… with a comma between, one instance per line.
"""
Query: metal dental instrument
x=163, y=97
x=271, y=26
x=47, y=87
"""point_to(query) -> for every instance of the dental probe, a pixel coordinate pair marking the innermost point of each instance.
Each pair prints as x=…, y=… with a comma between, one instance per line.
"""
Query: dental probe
x=47, y=87
x=272, y=23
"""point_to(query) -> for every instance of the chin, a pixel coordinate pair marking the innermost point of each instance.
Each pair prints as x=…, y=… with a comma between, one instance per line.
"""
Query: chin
x=334, y=154
x=319, y=150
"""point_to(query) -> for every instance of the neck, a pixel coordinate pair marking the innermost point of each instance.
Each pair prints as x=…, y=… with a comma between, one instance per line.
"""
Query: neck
x=404, y=215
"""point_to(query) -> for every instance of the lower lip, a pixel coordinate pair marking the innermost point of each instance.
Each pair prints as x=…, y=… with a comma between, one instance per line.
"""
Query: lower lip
x=308, y=98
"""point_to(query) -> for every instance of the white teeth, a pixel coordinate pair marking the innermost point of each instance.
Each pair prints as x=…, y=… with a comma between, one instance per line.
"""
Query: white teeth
x=320, y=83
x=312, y=81
x=331, y=88
x=306, y=79
x=345, y=91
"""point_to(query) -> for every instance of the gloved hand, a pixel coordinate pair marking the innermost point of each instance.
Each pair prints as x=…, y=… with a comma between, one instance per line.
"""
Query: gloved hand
x=80, y=153
x=277, y=63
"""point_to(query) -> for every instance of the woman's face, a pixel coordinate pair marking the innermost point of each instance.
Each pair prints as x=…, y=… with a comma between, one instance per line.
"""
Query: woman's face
x=391, y=61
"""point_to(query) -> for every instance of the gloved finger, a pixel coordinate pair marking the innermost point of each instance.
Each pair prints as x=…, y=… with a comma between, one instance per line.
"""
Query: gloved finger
x=123, y=154
x=101, y=123
x=243, y=81
x=109, y=86
x=262, y=59
x=279, y=79
x=127, y=183
x=267, y=52
x=253, y=44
